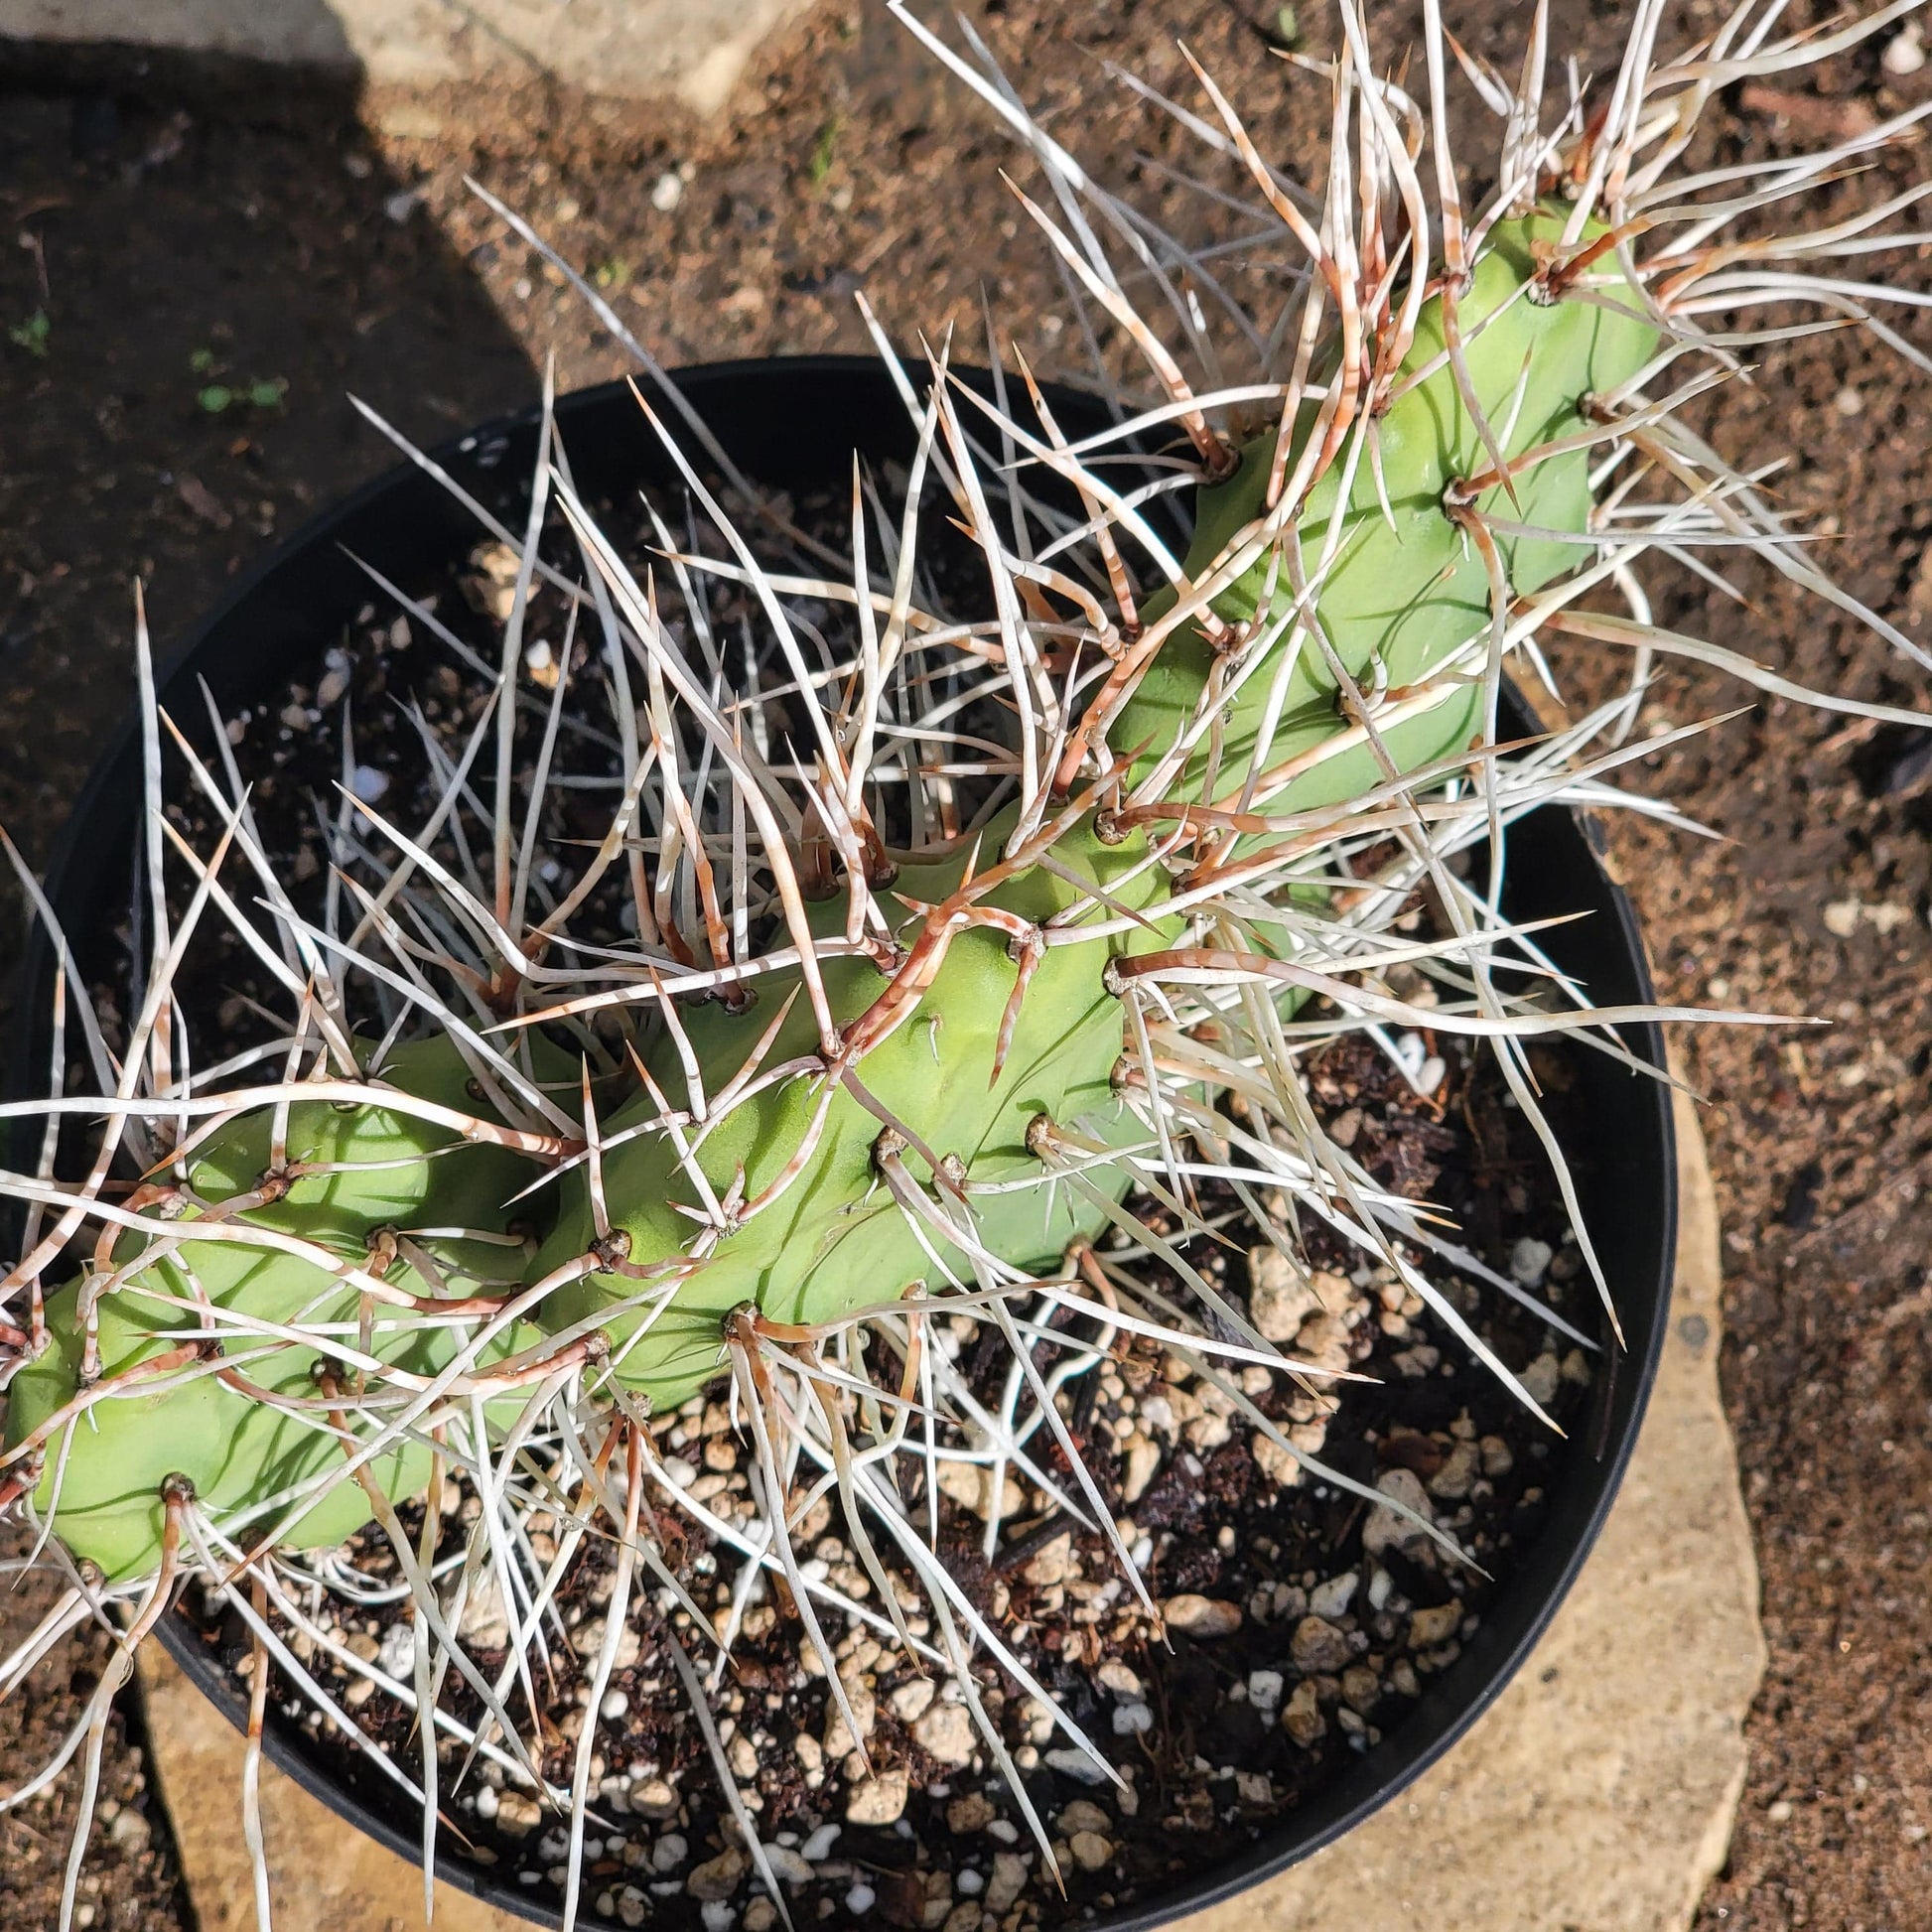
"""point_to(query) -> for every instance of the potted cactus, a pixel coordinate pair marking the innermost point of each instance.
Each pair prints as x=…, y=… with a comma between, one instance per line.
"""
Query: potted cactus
x=697, y=1183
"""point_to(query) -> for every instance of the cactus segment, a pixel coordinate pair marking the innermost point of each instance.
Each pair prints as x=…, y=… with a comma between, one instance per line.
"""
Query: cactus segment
x=1407, y=590
x=837, y=1240
x=104, y=1468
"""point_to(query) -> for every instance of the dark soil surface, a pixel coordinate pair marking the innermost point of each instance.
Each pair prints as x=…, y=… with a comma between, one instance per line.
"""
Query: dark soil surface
x=172, y=254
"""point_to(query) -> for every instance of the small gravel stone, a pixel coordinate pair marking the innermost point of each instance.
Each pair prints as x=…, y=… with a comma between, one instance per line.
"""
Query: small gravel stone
x=1905, y=52
x=717, y=1916
x=1539, y=1379
x=968, y=1813
x=1090, y=1850
x=1302, y=1716
x=1265, y=1689
x=860, y=1899
x=1051, y=1563
x=787, y=1866
x=719, y=1877
x=1083, y=1815
x=1318, y=1646
x=880, y=1798
x=1457, y=1475
x=911, y=1701
x=669, y=1852
x=864, y=1708
x=1075, y=1764
x=819, y=1844
x=946, y=1733
x=369, y=782
x=1331, y=1598
x=1427, y=1628
x=1361, y=1689
x=1202, y=1616
x=1116, y=1677
x=588, y=1638
x=1280, y=1299
x=1385, y=1529
x=516, y=1815
x=1143, y=1465
x=131, y=1832
x=655, y=1798
x=665, y=193
x=1132, y=1719
x=1529, y=1260
x=1007, y=1882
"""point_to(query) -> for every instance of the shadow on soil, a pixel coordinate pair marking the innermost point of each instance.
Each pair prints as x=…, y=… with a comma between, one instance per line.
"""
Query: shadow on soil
x=196, y=269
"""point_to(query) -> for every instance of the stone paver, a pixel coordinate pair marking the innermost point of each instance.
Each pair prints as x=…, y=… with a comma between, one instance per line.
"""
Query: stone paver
x=690, y=49
x=1597, y=1796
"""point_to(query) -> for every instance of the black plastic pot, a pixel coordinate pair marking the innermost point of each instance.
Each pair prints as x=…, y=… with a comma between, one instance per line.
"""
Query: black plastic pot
x=793, y=425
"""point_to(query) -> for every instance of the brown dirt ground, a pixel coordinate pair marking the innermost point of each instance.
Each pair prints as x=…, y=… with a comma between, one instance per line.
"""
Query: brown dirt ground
x=845, y=162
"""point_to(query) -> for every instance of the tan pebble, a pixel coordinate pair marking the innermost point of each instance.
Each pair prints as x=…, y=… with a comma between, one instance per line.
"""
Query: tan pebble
x=946, y=1733
x=1208, y=1431
x=910, y=1700
x=1361, y=1689
x=365, y=1646
x=761, y=1915
x=588, y=1639
x=516, y=1815
x=1322, y=1343
x=963, y=1917
x=1202, y=1616
x=1051, y=1563
x=1142, y=1463
x=743, y=1758
x=1090, y=1850
x=1335, y=1292
x=359, y=1693
x=719, y=1877
x=1427, y=1628
x=1279, y=1299
x=880, y=1798
x=1114, y=1675
x=1456, y=1477
x=485, y=1624
x=969, y=1485
x=1317, y=1645
x=1385, y=1529
x=1276, y=1463
x=655, y=1798
x=720, y=1454
x=970, y=1813
x=1497, y=1457
x=1008, y=1881
x=1082, y=1815
x=864, y=1707
x=131, y=1832
x=1302, y=1715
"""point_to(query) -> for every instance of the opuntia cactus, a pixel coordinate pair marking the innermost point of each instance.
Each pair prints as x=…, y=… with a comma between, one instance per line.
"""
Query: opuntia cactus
x=886, y=1040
